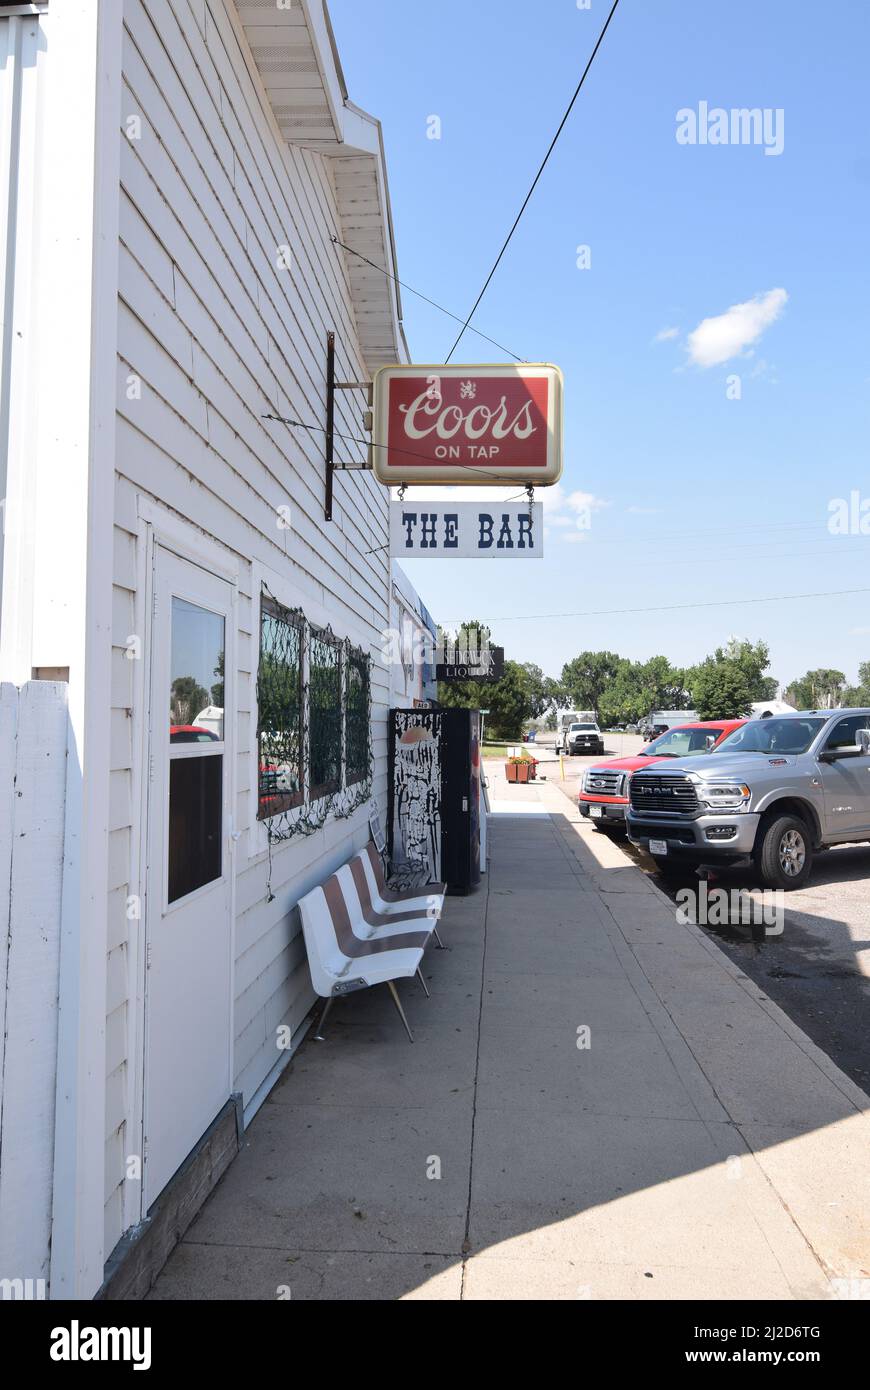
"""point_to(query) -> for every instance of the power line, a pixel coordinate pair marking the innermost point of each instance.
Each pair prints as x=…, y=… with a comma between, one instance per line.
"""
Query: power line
x=528, y=196
x=370, y=444
x=667, y=608
x=435, y=305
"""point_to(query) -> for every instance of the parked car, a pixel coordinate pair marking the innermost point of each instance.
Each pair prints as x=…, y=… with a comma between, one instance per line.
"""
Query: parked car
x=583, y=737
x=191, y=733
x=771, y=794
x=603, y=797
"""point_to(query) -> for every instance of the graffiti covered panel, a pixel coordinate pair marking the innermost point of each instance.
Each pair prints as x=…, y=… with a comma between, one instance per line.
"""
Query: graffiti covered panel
x=416, y=801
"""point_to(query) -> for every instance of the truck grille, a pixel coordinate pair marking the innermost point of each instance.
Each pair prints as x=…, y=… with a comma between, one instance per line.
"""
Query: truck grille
x=607, y=783
x=658, y=792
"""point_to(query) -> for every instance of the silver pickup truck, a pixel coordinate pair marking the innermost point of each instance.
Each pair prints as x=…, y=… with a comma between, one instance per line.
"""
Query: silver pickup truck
x=771, y=794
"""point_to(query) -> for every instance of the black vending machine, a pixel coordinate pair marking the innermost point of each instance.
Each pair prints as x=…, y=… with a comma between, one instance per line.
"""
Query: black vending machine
x=434, y=811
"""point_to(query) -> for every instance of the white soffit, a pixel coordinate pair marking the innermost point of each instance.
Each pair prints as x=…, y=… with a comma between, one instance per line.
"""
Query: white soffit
x=295, y=55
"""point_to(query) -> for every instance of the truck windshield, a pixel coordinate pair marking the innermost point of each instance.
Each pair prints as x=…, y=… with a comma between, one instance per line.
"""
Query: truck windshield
x=681, y=743
x=576, y=727
x=772, y=736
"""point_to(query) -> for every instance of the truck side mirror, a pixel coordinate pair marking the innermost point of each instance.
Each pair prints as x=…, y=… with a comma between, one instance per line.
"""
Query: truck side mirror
x=846, y=750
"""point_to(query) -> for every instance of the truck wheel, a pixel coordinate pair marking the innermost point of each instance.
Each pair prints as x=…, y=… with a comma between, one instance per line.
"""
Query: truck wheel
x=784, y=853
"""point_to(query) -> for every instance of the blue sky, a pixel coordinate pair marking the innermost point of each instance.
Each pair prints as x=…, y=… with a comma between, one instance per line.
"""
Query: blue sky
x=698, y=498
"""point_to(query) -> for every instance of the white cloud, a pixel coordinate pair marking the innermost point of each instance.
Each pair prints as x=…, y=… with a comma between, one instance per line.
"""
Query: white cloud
x=664, y=335
x=724, y=336
x=572, y=512
x=859, y=631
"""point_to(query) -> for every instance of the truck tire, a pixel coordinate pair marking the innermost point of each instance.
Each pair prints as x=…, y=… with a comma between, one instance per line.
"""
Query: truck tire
x=784, y=852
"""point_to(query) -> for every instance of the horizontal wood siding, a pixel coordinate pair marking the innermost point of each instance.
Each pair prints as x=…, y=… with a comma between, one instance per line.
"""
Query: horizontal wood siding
x=213, y=334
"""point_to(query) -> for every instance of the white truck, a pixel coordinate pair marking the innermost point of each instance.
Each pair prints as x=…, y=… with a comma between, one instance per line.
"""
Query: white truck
x=581, y=716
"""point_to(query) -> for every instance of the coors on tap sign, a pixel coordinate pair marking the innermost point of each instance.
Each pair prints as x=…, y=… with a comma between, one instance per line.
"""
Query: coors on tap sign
x=459, y=424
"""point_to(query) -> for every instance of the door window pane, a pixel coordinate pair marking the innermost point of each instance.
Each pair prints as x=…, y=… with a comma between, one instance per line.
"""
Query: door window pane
x=195, y=823
x=196, y=680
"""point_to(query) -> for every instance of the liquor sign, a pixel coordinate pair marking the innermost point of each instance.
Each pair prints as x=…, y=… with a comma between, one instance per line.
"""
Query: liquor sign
x=485, y=664
x=487, y=425
x=466, y=530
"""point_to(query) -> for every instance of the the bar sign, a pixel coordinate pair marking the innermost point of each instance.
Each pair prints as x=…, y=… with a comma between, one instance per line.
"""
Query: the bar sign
x=466, y=530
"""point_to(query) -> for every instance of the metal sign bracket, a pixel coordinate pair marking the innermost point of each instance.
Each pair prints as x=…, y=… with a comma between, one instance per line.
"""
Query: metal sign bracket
x=331, y=387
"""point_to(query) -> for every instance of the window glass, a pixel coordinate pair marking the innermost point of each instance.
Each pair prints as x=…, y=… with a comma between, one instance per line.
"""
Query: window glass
x=680, y=742
x=324, y=712
x=279, y=700
x=196, y=681
x=195, y=823
x=789, y=735
x=845, y=733
x=357, y=717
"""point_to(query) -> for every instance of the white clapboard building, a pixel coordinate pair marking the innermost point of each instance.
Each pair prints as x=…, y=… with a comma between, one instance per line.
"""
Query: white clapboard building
x=412, y=648
x=176, y=177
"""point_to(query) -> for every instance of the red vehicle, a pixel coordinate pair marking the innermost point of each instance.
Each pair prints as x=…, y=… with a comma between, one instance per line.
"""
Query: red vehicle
x=603, y=794
x=191, y=733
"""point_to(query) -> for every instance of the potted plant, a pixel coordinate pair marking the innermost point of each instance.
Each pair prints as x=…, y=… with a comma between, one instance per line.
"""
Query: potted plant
x=521, y=768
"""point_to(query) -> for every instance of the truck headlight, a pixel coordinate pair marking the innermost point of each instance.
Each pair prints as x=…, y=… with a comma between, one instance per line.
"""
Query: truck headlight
x=725, y=796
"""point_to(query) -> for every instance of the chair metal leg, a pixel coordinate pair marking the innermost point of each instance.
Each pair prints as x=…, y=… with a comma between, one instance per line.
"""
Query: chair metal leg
x=423, y=982
x=392, y=988
x=318, y=1036
x=441, y=946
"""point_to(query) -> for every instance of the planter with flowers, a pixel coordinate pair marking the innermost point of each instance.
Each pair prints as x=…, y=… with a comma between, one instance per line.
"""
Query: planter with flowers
x=521, y=768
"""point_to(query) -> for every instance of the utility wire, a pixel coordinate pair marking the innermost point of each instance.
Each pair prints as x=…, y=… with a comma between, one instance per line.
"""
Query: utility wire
x=528, y=196
x=435, y=305
x=668, y=608
x=370, y=444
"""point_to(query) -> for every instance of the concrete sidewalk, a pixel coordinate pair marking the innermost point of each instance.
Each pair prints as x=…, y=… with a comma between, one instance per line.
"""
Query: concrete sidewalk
x=700, y=1147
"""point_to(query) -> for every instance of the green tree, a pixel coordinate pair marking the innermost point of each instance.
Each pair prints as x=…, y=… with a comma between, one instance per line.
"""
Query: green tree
x=506, y=699
x=721, y=690
x=513, y=700
x=535, y=682
x=753, y=659
x=586, y=678
x=821, y=689
x=728, y=683
x=859, y=694
x=187, y=698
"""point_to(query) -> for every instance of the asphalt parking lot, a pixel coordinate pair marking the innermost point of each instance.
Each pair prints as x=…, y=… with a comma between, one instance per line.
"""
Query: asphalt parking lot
x=818, y=970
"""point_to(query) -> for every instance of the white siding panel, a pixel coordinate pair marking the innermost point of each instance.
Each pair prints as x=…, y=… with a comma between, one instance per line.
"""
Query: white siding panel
x=220, y=335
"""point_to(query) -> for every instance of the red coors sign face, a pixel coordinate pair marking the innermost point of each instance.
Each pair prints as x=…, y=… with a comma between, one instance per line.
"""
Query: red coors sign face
x=479, y=422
